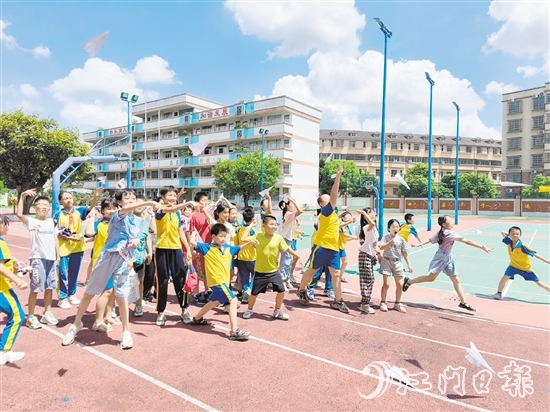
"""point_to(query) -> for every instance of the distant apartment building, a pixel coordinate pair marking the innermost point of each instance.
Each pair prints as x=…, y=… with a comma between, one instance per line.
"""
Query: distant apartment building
x=526, y=134
x=405, y=150
x=161, y=139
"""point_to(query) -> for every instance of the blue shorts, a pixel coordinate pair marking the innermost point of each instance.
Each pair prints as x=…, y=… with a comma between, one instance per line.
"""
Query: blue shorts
x=343, y=253
x=525, y=274
x=324, y=257
x=443, y=262
x=222, y=294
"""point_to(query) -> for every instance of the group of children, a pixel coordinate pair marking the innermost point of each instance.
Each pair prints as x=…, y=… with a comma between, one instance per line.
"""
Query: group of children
x=167, y=242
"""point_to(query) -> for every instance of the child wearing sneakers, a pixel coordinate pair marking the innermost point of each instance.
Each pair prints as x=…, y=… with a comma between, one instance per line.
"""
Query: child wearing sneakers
x=115, y=260
x=291, y=210
x=9, y=303
x=519, y=261
x=44, y=257
x=267, y=269
x=246, y=259
x=217, y=258
x=394, y=249
x=143, y=255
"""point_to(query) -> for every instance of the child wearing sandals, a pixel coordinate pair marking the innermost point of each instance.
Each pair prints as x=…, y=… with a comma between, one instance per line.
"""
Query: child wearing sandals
x=443, y=261
x=394, y=249
x=217, y=259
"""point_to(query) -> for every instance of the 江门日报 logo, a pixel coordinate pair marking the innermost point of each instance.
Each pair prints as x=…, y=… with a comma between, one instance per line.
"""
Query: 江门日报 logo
x=377, y=370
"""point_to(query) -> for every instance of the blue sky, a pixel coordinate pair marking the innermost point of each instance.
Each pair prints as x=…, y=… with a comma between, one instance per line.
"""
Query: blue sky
x=327, y=54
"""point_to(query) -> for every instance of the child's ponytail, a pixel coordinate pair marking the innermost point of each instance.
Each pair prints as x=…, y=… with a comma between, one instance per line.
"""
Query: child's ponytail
x=440, y=236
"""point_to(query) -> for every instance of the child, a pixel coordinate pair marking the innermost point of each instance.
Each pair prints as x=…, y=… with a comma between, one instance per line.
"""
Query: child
x=43, y=258
x=247, y=258
x=291, y=211
x=71, y=248
x=9, y=303
x=115, y=261
x=394, y=248
x=143, y=254
x=267, y=269
x=519, y=261
x=169, y=254
x=217, y=257
x=200, y=224
x=408, y=229
x=343, y=236
x=443, y=261
x=368, y=236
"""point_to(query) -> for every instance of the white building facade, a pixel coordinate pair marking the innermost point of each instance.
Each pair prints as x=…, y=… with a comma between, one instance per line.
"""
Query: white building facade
x=166, y=127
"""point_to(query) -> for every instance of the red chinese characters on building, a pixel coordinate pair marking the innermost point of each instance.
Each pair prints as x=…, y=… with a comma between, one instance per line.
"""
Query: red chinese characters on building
x=212, y=114
x=118, y=130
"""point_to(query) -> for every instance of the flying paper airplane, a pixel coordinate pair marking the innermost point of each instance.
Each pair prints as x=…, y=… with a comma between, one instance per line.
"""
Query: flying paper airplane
x=265, y=191
x=329, y=158
x=397, y=374
x=402, y=181
x=476, y=359
x=127, y=150
x=333, y=176
x=179, y=168
x=198, y=148
x=93, y=45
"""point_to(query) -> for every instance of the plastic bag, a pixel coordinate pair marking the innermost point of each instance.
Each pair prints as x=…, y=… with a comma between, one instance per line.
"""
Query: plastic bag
x=192, y=281
x=134, y=286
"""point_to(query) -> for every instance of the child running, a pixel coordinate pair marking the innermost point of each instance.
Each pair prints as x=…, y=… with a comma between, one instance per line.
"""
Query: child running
x=267, y=270
x=44, y=257
x=394, y=249
x=520, y=263
x=368, y=236
x=9, y=303
x=408, y=229
x=443, y=261
x=217, y=257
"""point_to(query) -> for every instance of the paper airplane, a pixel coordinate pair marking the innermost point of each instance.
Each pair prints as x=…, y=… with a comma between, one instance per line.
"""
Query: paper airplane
x=333, y=176
x=329, y=158
x=93, y=45
x=402, y=181
x=102, y=179
x=475, y=358
x=397, y=374
x=265, y=191
x=198, y=148
x=285, y=198
x=179, y=168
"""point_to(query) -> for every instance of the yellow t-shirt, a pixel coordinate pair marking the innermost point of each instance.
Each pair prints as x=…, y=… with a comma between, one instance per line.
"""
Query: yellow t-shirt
x=343, y=240
x=168, y=236
x=5, y=255
x=217, y=262
x=248, y=254
x=101, y=230
x=406, y=230
x=519, y=255
x=72, y=220
x=327, y=236
x=268, y=252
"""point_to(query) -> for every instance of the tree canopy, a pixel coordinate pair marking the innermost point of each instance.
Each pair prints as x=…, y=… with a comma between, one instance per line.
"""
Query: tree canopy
x=242, y=175
x=349, y=182
x=532, y=191
x=32, y=148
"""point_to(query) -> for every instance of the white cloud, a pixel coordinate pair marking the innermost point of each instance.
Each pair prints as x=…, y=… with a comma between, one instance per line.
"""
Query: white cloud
x=528, y=71
x=494, y=87
x=153, y=69
x=524, y=31
x=11, y=43
x=302, y=26
x=90, y=95
x=28, y=90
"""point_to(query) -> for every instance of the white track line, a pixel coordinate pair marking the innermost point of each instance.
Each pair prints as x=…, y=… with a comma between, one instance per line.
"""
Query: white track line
x=349, y=368
x=139, y=374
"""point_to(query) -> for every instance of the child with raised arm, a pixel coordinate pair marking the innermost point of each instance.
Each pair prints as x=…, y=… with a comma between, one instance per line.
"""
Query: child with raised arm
x=520, y=264
x=291, y=211
x=408, y=229
x=443, y=260
x=200, y=224
x=44, y=257
x=394, y=249
x=267, y=269
x=114, y=260
x=368, y=236
x=9, y=303
x=246, y=259
x=217, y=257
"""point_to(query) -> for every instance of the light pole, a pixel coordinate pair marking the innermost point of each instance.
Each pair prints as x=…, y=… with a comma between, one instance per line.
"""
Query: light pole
x=263, y=132
x=456, y=160
x=130, y=100
x=430, y=155
x=387, y=35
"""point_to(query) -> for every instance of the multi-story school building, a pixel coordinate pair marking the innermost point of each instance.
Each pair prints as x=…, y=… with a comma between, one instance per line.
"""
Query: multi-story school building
x=526, y=134
x=166, y=127
x=405, y=150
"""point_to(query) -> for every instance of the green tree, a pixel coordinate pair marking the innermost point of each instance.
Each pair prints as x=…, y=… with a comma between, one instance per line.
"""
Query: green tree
x=32, y=148
x=417, y=179
x=476, y=184
x=532, y=191
x=242, y=176
x=349, y=181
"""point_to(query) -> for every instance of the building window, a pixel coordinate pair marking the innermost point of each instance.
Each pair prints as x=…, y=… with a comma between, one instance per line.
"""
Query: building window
x=494, y=176
x=536, y=160
x=393, y=173
x=515, y=106
x=364, y=145
x=401, y=146
x=153, y=175
x=468, y=149
x=258, y=121
x=537, y=142
x=513, y=162
x=538, y=103
x=221, y=127
x=152, y=156
x=394, y=146
x=352, y=144
x=286, y=143
x=208, y=150
x=322, y=143
x=332, y=143
x=287, y=118
x=426, y=147
x=206, y=172
x=394, y=190
x=538, y=122
x=221, y=149
x=479, y=150
x=274, y=119
x=514, y=143
x=166, y=174
x=274, y=144
x=286, y=169
x=514, y=125
x=449, y=148
x=339, y=143
x=514, y=177
x=167, y=155
x=416, y=146
x=374, y=145
x=377, y=172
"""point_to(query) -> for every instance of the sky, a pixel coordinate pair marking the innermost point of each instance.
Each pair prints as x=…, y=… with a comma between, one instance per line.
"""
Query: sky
x=328, y=54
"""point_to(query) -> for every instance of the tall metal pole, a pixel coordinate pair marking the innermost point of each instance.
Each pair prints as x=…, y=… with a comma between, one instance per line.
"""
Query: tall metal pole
x=387, y=35
x=456, y=160
x=430, y=155
x=129, y=168
x=262, y=132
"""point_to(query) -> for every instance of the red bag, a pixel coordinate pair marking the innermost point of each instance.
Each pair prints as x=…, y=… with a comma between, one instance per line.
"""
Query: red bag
x=192, y=281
